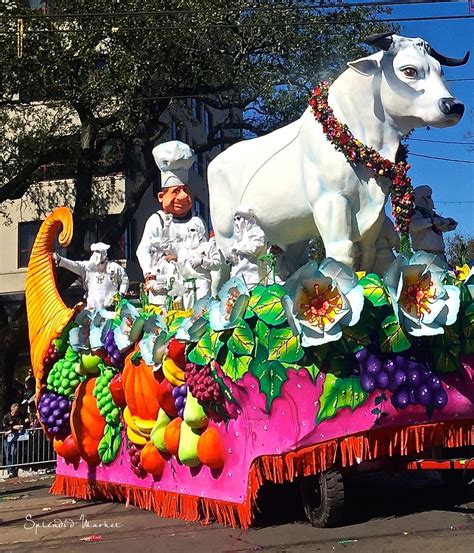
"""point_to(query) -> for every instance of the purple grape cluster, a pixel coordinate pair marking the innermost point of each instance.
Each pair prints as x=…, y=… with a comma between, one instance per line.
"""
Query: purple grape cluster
x=411, y=382
x=136, y=466
x=179, y=394
x=54, y=412
x=52, y=355
x=116, y=358
x=201, y=384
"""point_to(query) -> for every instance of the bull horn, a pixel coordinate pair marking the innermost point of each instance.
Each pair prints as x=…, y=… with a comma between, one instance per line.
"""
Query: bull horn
x=383, y=41
x=449, y=62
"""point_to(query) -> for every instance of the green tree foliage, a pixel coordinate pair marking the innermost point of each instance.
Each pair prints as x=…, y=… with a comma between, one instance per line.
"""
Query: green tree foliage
x=460, y=249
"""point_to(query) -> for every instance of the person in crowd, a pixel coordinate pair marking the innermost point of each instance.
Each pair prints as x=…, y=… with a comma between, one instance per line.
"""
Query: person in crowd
x=427, y=227
x=248, y=246
x=101, y=279
x=13, y=423
x=172, y=234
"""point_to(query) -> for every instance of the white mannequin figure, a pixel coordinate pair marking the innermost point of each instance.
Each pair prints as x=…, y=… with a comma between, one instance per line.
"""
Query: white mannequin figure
x=248, y=245
x=101, y=279
x=387, y=241
x=171, y=233
x=426, y=228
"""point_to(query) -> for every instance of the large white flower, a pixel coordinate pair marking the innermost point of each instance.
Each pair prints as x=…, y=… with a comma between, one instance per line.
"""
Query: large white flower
x=322, y=301
x=422, y=303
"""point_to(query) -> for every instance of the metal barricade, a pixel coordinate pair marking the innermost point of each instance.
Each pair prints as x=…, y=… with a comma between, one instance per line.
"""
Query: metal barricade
x=30, y=449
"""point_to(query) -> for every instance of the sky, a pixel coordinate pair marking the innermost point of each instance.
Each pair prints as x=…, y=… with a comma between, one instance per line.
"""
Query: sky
x=452, y=182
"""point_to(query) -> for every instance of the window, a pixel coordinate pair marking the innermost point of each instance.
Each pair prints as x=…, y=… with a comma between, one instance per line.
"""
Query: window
x=199, y=208
x=174, y=130
x=208, y=121
x=219, y=135
x=26, y=238
x=123, y=249
x=198, y=165
x=196, y=109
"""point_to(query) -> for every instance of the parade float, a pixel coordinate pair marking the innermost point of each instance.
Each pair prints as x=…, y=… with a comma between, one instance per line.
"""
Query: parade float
x=189, y=413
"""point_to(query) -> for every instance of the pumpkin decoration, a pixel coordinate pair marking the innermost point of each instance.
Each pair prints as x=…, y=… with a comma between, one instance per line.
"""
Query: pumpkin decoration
x=140, y=388
x=151, y=460
x=87, y=424
x=172, y=436
x=210, y=448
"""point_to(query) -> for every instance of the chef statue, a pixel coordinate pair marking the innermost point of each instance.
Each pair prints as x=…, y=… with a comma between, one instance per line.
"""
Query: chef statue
x=427, y=227
x=101, y=279
x=387, y=241
x=172, y=236
x=248, y=246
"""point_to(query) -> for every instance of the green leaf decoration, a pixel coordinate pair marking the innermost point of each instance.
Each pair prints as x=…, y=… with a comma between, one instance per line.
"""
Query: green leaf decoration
x=236, y=366
x=283, y=346
x=174, y=325
x=262, y=332
x=354, y=338
x=447, y=360
x=207, y=348
x=339, y=393
x=242, y=341
x=392, y=337
x=467, y=330
x=374, y=290
x=271, y=375
x=265, y=303
x=109, y=445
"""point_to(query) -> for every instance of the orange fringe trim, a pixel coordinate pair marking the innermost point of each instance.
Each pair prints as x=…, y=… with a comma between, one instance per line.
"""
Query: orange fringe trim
x=343, y=452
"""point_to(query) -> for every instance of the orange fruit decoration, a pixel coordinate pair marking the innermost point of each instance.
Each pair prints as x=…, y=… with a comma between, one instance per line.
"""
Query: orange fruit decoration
x=172, y=435
x=152, y=460
x=210, y=448
x=67, y=448
x=47, y=313
x=87, y=424
x=140, y=387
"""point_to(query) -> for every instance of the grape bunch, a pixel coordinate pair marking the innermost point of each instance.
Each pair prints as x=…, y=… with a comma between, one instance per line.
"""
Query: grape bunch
x=115, y=356
x=54, y=412
x=201, y=384
x=179, y=395
x=411, y=382
x=63, y=377
x=52, y=355
x=105, y=403
x=134, y=453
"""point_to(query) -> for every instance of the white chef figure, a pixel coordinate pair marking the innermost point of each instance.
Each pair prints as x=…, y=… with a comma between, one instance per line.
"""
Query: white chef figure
x=249, y=245
x=101, y=279
x=387, y=241
x=173, y=232
x=427, y=227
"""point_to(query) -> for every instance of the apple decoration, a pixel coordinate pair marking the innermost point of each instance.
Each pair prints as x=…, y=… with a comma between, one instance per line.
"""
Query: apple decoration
x=116, y=389
x=177, y=352
x=67, y=448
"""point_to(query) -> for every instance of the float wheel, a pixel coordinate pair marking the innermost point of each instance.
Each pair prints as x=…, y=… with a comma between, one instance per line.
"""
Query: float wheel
x=323, y=498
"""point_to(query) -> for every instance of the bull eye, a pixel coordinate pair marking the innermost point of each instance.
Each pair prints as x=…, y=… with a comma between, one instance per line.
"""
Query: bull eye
x=410, y=72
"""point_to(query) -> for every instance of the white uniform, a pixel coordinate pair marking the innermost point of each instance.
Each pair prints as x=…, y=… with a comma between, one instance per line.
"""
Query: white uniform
x=100, y=285
x=387, y=241
x=249, y=244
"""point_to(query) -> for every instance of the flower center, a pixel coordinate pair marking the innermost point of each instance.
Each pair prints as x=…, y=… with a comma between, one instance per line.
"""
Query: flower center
x=322, y=305
x=417, y=294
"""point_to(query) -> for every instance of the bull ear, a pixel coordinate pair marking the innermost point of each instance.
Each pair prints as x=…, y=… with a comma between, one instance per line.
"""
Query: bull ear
x=364, y=66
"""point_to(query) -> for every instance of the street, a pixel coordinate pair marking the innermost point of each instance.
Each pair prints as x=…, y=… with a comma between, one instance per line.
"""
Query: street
x=384, y=515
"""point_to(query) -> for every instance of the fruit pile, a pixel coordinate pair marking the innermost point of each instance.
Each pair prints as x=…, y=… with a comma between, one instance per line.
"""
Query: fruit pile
x=63, y=378
x=56, y=349
x=411, y=382
x=201, y=384
x=115, y=357
x=179, y=394
x=54, y=411
x=105, y=402
x=136, y=466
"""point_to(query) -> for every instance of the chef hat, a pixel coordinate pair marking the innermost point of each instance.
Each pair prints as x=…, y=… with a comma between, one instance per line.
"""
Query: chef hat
x=420, y=193
x=244, y=210
x=99, y=247
x=174, y=159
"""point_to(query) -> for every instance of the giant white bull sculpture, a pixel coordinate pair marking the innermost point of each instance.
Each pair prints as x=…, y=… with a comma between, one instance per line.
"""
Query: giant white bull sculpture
x=300, y=186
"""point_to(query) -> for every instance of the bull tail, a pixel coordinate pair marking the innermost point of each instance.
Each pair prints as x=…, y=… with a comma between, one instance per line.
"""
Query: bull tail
x=47, y=313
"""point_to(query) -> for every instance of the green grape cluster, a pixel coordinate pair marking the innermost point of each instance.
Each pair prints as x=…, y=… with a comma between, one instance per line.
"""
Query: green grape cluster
x=63, y=377
x=107, y=407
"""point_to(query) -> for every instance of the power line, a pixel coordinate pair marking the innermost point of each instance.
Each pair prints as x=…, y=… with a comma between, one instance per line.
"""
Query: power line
x=441, y=158
x=458, y=202
x=253, y=25
x=323, y=5
x=443, y=141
